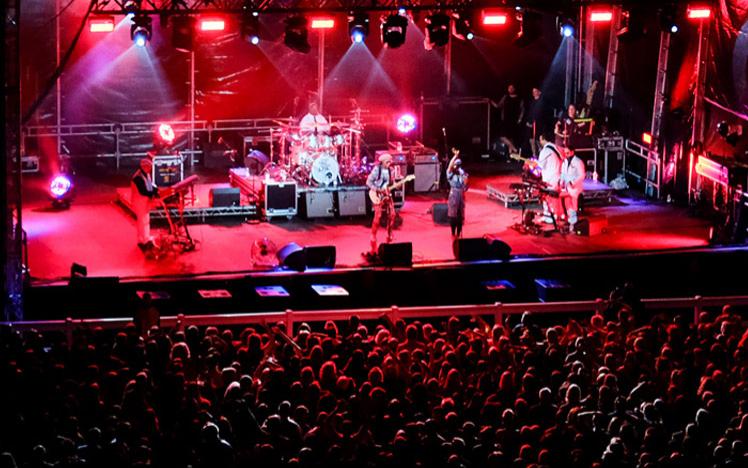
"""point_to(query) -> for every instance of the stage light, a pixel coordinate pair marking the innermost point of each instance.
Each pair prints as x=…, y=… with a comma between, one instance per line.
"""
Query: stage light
x=394, y=28
x=493, y=17
x=101, y=24
x=437, y=30
x=323, y=22
x=647, y=138
x=250, y=28
x=723, y=129
x=601, y=16
x=406, y=123
x=358, y=27
x=297, y=36
x=401, y=11
x=182, y=32
x=166, y=134
x=565, y=26
x=131, y=7
x=212, y=24
x=141, y=30
x=61, y=191
x=699, y=12
x=530, y=27
x=668, y=19
x=462, y=29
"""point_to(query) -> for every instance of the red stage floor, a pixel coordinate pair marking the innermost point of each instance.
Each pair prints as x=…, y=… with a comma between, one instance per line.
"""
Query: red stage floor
x=97, y=233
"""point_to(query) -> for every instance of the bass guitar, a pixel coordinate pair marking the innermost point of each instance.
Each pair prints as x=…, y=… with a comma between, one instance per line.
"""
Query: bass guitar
x=377, y=196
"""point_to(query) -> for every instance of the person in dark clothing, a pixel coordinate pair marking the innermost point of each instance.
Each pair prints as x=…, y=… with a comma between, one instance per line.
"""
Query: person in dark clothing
x=512, y=112
x=457, y=179
x=142, y=194
x=538, y=119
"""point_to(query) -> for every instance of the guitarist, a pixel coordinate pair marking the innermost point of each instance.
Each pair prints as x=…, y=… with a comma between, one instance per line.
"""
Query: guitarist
x=378, y=181
x=549, y=160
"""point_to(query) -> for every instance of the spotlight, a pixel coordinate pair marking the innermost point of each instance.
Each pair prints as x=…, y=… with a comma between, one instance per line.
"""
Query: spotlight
x=101, y=24
x=565, y=26
x=437, y=30
x=394, y=28
x=493, y=17
x=131, y=7
x=182, y=32
x=698, y=13
x=530, y=27
x=212, y=24
x=461, y=28
x=668, y=19
x=723, y=129
x=358, y=27
x=401, y=11
x=61, y=191
x=406, y=123
x=250, y=28
x=141, y=30
x=297, y=36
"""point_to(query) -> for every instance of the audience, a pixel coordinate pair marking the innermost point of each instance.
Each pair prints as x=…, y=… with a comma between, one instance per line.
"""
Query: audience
x=616, y=390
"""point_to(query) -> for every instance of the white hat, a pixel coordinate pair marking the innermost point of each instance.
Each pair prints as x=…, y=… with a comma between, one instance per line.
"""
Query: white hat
x=384, y=157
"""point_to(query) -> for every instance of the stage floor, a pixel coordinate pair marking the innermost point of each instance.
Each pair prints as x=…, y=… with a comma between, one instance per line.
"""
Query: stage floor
x=97, y=233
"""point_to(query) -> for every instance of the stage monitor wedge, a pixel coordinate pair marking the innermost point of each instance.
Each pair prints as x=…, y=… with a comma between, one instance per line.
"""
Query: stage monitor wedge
x=396, y=254
x=292, y=256
x=480, y=248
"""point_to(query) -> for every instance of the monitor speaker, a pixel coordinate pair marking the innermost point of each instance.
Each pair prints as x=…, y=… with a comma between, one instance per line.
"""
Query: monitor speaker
x=480, y=248
x=397, y=254
x=322, y=256
x=292, y=256
x=439, y=213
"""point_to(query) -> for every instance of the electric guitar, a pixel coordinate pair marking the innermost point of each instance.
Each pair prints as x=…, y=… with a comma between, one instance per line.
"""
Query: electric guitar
x=529, y=161
x=378, y=196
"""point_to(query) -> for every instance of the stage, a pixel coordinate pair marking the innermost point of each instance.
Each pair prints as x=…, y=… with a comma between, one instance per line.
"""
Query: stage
x=98, y=233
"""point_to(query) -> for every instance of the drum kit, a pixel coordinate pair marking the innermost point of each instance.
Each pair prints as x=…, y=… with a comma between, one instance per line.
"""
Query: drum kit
x=319, y=158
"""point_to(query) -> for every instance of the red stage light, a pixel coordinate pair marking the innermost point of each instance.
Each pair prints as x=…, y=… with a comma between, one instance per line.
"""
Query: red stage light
x=166, y=133
x=406, y=123
x=601, y=16
x=493, y=17
x=101, y=24
x=697, y=13
x=212, y=24
x=323, y=23
x=647, y=138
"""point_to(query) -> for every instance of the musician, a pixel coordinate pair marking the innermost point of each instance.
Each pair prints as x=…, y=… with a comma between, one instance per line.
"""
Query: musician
x=549, y=161
x=379, y=178
x=142, y=194
x=457, y=179
x=314, y=122
x=567, y=128
x=572, y=184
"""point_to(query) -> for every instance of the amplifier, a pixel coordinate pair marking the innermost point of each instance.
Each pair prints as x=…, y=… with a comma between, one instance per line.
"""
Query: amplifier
x=352, y=201
x=317, y=203
x=427, y=177
x=613, y=143
x=280, y=199
x=224, y=196
x=425, y=158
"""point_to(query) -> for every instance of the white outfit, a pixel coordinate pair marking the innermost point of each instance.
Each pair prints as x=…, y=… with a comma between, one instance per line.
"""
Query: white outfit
x=572, y=185
x=142, y=193
x=549, y=161
x=314, y=123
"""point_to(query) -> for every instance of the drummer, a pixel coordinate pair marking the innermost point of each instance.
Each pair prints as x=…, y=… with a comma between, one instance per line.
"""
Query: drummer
x=314, y=122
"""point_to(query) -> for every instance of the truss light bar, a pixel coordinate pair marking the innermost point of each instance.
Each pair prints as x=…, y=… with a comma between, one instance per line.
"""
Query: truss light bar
x=212, y=24
x=323, y=22
x=601, y=16
x=493, y=17
x=101, y=24
x=698, y=13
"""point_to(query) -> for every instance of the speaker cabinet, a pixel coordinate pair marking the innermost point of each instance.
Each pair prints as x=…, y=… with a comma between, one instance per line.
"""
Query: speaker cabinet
x=480, y=248
x=322, y=256
x=292, y=256
x=224, y=196
x=439, y=213
x=396, y=254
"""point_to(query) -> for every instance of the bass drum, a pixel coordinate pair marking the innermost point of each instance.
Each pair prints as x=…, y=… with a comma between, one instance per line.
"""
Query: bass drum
x=325, y=170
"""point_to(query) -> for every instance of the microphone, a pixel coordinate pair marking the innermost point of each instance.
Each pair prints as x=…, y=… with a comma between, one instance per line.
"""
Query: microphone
x=444, y=131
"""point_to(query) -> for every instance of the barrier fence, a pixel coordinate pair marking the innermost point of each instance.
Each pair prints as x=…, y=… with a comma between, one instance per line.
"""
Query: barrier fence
x=499, y=311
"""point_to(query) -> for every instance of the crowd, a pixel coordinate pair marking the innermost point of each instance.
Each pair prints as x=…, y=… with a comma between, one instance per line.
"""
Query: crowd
x=614, y=390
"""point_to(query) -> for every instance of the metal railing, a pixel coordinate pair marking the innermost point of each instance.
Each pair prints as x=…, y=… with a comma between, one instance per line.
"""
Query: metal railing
x=498, y=311
x=652, y=178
